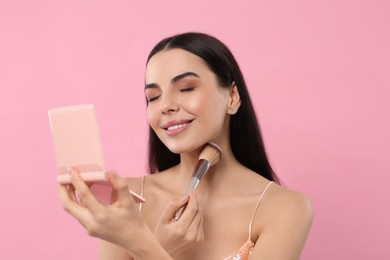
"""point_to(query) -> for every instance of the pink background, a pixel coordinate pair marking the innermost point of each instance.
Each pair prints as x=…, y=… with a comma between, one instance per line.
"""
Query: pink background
x=318, y=72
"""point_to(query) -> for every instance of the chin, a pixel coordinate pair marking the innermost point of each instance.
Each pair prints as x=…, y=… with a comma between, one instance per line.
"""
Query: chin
x=177, y=149
x=184, y=147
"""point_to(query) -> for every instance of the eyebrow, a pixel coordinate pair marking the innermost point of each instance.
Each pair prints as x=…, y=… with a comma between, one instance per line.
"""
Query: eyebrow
x=175, y=79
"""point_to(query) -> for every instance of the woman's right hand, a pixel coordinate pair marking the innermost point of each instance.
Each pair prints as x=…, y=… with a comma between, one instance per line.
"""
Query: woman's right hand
x=119, y=223
x=179, y=235
x=116, y=223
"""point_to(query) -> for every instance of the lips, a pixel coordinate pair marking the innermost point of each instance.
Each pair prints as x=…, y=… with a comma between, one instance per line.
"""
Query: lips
x=175, y=127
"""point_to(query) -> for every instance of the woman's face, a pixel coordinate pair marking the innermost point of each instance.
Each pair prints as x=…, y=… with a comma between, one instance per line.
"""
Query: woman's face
x=186, y=106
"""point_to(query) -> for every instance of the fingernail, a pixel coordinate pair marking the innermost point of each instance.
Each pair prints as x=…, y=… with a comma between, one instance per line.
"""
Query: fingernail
x=69, y=170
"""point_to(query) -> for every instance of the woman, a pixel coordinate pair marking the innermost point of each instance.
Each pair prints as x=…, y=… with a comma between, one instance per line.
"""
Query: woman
x=196, y=93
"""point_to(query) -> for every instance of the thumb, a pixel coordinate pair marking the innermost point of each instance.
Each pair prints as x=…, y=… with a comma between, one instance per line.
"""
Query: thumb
x=172, y=207
x=119, y=185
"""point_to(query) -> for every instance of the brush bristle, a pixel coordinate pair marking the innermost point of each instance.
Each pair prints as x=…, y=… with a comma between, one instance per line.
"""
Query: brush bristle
x=212, y=153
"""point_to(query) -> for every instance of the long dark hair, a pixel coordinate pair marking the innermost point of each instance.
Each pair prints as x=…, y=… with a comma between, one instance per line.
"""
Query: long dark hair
x=245, y=137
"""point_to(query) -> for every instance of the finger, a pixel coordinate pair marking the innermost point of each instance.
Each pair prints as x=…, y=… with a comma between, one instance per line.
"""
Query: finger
x=72, y=193
x=173, y=206
x=191, y=210
x=70, y=205
x=85, y=194
x=197, y=221
x=121, y=188
x=195, y=230
x=64, y=194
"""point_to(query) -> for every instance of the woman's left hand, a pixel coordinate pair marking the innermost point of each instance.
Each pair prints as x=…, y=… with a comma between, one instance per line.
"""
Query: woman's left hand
x=117, y=223
x=176, y=236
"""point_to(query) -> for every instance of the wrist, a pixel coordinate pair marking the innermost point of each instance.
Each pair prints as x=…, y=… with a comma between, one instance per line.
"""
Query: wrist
x=147, y=246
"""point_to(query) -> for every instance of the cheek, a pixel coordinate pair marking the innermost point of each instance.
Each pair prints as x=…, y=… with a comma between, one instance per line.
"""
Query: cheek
x=204, y=102
x=211, y=109
x=151, y=117
x=196, y=105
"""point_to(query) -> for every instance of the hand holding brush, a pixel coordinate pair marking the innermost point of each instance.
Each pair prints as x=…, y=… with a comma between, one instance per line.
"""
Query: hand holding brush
x=209, y=156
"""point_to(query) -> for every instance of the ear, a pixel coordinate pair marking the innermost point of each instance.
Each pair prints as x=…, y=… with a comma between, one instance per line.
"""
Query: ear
x=234, y=101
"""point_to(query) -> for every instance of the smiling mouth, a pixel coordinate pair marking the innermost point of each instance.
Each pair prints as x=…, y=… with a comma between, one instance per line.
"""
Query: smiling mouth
x=178, y=126
x=174, y=127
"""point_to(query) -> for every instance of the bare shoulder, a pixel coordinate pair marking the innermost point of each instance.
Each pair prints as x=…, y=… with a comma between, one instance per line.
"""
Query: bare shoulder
x=284, y=224
x=289, y=198
x=288, y=206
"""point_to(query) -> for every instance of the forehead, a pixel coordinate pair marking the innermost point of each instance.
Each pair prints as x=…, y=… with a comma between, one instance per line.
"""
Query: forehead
x=167, y=64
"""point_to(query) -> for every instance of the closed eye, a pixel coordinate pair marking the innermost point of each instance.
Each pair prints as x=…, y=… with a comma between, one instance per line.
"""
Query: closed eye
x=187, y=89
x=152, y=99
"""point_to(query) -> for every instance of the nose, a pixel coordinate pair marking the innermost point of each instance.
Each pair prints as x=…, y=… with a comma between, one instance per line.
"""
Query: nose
x=169, y=106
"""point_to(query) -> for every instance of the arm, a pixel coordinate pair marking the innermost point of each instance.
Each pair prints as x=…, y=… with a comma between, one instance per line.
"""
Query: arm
x=111, y=251
x=150, y=249
x=108, y=250
x=284, y=235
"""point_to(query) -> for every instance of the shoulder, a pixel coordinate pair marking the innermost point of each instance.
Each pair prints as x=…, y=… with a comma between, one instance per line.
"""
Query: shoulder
x=284, y=223
x=285, y=195
x=277, y=198
x=288, y=206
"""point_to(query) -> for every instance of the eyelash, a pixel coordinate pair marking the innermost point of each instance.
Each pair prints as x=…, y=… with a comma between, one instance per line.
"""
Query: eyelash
x=152, y=99
x=189, y=89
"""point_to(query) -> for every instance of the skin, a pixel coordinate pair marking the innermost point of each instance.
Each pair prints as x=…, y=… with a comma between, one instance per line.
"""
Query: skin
x=181, y=88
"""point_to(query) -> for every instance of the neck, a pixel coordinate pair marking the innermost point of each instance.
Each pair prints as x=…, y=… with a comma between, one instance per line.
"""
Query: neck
x=188, y=162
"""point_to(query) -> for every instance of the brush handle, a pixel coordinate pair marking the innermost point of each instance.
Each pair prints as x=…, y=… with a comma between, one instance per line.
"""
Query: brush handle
x=193, y=183
x=200, y=170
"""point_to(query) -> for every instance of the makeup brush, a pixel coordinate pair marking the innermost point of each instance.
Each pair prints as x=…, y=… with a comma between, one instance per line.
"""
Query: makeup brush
x=209, y=156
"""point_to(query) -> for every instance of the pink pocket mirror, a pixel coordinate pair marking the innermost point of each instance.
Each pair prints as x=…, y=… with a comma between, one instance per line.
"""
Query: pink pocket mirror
x=77, y=143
